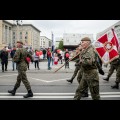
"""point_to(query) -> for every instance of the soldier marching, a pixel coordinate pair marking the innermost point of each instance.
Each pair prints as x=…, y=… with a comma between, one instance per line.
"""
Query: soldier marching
x=20, y=59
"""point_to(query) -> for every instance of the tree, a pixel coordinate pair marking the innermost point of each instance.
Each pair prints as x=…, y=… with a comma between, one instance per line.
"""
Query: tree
x=61, y=45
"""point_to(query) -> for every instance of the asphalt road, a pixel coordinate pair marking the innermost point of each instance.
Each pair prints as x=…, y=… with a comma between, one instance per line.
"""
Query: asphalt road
x=48, y=85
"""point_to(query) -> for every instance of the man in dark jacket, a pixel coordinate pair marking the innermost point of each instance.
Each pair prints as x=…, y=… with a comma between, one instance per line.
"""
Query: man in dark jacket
x=44, y=53
x=4, y=59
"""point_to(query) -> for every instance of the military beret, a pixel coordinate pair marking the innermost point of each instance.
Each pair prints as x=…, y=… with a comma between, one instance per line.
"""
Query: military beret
x=85, y=39
x=20, y=42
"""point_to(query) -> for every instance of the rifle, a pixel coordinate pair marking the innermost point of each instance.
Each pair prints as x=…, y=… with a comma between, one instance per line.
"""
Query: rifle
x=67, y=61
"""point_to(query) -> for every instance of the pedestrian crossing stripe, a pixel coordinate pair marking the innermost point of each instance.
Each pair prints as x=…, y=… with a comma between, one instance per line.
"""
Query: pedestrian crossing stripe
x=56, y=95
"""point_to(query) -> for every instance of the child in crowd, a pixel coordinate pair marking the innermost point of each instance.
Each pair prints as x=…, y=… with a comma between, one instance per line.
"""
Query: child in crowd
x=56, y=59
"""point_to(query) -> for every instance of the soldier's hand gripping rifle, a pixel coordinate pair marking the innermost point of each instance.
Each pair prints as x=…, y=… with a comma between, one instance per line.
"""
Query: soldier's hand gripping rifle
x=67, y=61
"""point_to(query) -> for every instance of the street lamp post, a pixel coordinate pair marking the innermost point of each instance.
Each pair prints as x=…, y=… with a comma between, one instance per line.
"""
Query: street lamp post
x=17, y=22
x=52, y=47
x=52, y=42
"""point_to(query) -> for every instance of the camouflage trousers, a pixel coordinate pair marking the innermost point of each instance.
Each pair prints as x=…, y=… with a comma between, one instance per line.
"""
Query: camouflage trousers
x=111, y=70
x=118, y=74
x=80, y=73
x=79, y=77
x=22, y=77
x=77, y=68
x=89, y=79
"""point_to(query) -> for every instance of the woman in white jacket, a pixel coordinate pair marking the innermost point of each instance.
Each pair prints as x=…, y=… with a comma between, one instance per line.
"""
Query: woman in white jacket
x=36, y=59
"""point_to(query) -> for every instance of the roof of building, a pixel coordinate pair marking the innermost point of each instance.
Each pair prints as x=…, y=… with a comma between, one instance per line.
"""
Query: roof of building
x=31, y=26
x=7, y=22
x=22, y=25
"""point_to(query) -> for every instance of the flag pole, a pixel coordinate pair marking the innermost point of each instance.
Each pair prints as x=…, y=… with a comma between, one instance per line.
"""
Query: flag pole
x=67, y=61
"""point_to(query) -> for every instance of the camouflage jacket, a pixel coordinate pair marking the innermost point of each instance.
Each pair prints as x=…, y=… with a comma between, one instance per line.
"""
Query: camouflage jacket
x=88, y=58
x=115, y=61
x=20, y=58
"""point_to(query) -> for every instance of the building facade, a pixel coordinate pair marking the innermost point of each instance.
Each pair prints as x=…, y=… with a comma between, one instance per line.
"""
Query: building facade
x=116, y=27
x=28, y=34
x=45, y=42
x=71, y=41
x=5, y=34
x=11, y=33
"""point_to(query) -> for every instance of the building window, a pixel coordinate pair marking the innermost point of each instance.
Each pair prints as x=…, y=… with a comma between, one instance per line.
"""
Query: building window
x=13, y=37
x=20, y=36
x=26, y=37
x=67, y=40
x=13, y=33
x=26, y=33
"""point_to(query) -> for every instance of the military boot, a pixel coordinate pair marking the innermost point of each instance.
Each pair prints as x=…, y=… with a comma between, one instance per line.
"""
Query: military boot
x=12, y=91
x=106, y=79
x=116, y=86
x=29, y=94
x=70, y=80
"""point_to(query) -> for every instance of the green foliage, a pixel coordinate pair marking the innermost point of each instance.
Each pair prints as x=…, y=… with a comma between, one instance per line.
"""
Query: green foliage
x=61, y=45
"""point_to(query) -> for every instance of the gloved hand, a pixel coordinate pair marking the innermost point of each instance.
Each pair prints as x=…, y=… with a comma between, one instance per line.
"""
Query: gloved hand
x=101, y=72
x=77, y=64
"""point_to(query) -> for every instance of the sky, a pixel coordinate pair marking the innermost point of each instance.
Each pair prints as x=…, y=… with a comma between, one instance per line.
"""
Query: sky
x=58, y=27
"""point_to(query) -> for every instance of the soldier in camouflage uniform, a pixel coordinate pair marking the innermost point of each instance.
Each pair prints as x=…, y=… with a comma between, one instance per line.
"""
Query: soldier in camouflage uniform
x=20, y=59
x=77, y=66
x=117, y=67
x=78, y=69
x=90, y=76
x=113, y=66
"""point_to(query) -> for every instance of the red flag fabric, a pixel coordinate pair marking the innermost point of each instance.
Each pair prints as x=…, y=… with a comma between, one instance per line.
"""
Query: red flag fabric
x=107, y=47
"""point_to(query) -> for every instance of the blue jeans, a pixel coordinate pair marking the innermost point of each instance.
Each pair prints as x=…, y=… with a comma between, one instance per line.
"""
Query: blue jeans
x=49, y=61
x=13, y=65
x=43, y=56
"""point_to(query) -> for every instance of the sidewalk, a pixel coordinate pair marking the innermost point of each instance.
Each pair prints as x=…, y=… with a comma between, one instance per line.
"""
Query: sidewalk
x=43, y=67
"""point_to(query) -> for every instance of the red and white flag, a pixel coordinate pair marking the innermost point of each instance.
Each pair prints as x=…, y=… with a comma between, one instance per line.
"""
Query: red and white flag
x=107, y=46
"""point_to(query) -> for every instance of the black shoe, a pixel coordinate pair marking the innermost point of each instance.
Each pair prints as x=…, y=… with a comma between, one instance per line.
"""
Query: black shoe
x=116, y=86
x=70, y=81
x=12, y=92
x=85, y=95
x=106, y=79
x=2, y=70
x=29, y=94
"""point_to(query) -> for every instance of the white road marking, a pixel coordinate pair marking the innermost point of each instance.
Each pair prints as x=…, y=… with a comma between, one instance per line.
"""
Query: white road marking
x=47, y=80
x=105, y=76
x=67, y=94
x=8, y=75
x=56, y=95
x=38, y=79
x=59, y=80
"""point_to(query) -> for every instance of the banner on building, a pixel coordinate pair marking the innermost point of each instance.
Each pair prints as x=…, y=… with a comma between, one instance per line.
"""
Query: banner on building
x=107, y=46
